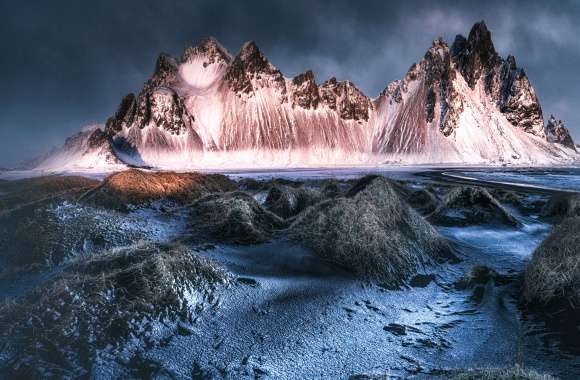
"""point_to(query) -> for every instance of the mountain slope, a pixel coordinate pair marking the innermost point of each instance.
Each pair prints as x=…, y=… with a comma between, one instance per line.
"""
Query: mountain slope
x=459, y=104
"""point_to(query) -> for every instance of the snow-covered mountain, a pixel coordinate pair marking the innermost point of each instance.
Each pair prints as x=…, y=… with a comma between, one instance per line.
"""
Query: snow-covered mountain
x=460, y=104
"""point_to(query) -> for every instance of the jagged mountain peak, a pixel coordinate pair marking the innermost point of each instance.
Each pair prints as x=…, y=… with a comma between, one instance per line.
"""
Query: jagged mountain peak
x=345, y=97
x=210, y=49
x=165, y=64
x=475, y=54
x=250, y=70
x=253, y=59
x=459, y=104
x=305, y=93
x=556, y=132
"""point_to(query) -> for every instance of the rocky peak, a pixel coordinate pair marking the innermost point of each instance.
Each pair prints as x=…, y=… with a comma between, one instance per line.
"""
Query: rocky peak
x=476, y=54
x=345, y=97
x=393, y=91
x=210, y=49
x=123, y=117
x=166, y=65
x=305, y=90
x=556, y=132
x=250, y=68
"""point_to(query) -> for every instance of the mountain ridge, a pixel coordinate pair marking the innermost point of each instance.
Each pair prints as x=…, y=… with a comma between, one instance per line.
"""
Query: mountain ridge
x=458, y=104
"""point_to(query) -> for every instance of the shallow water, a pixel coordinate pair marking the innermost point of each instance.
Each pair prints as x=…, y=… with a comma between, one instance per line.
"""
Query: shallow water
x=558, y=179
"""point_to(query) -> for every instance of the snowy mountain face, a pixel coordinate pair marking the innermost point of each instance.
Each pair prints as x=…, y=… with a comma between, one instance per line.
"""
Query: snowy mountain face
x=459, y=104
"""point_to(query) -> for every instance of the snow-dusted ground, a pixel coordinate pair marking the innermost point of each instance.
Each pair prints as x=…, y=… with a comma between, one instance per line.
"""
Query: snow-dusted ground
x=292, y=316
x=295, y=317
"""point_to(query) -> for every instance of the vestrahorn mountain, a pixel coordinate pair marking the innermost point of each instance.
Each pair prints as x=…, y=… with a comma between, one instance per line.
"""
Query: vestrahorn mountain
x=461, y=104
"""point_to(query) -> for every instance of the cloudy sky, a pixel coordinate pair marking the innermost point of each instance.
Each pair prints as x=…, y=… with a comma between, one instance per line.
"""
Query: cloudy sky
x=66, y=64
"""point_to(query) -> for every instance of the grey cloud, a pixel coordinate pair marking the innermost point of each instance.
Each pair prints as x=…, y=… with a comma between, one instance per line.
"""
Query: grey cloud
x=67, y=64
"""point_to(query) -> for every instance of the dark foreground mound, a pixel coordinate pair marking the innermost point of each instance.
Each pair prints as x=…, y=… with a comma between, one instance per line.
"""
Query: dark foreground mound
x=552, y=280
x=136, y=187
x=47, y=233
x=423, y=200
x=100, y=303
x=562, y=206
x=471, y=205
x=232, y=218
x=370, y=232
x=286, y=201
x=15, y=194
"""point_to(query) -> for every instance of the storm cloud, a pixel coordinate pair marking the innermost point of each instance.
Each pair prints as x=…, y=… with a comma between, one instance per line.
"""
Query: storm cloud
x=66, y=64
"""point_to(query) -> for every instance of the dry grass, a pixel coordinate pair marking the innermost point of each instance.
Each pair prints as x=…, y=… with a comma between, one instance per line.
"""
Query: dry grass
x=469, y=206
x=286, y=201
x=14, y=194
x=553, y=276
x=561, y=206
x=138, y=187
x=371, y=233
x=46, y=234
x=232, y=218
x=101, y=302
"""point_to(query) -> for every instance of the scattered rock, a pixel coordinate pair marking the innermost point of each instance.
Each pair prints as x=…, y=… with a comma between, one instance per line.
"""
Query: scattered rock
x=396, y=329
x=421, y=280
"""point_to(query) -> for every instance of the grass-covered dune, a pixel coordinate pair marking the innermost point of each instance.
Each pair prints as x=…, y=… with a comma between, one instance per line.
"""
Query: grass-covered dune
x=552, y=279
x=101, y=302
x=18, y=193
x=370, y=232
x=136, y=187
x=471, y=206
x=560, y=206
x=286, y=201
x=232, y=218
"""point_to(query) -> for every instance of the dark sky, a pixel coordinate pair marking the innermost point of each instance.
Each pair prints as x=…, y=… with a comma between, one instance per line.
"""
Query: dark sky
x=66, y=64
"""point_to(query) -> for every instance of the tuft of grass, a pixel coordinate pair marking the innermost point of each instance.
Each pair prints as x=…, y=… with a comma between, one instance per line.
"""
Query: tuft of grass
x=232, y=218
x=137, y=187
x=469, y=206
x=102, y=302
x=371, y=232
x=286, y=201
x=552, y=278
x=562, y=205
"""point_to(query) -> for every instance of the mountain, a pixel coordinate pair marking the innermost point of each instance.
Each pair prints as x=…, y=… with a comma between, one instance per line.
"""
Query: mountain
x=208, y=109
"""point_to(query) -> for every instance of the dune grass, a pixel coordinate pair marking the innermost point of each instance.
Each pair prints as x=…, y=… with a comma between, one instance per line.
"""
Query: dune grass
x=100, y=302
x=138, y=187
x=370, y=232
x=552, y=278
x=232, y=218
